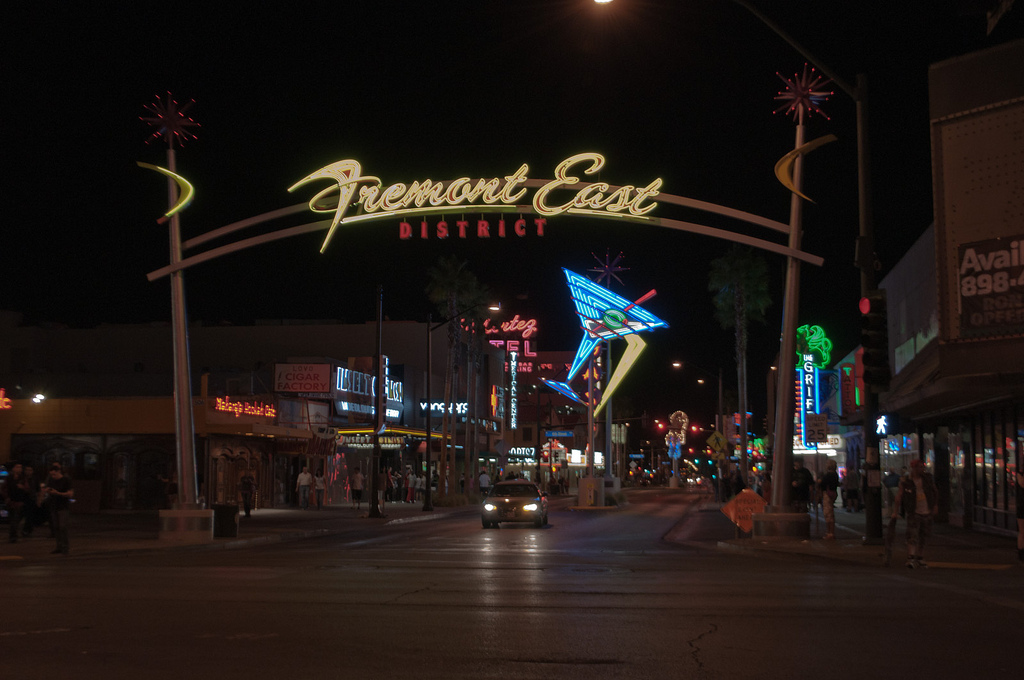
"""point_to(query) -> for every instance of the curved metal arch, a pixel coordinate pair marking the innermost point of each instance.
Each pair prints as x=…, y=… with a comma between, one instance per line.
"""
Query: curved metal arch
x=320, y=225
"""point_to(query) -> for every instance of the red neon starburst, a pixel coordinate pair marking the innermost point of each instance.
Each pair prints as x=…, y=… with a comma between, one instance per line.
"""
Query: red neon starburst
x=803, y=93
x=609, y=269
x=169, y=120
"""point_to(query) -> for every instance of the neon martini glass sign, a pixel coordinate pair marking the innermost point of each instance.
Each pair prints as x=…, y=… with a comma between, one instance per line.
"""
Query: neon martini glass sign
x=603, y=315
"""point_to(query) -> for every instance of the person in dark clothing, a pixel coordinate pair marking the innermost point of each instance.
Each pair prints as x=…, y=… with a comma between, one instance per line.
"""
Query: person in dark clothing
x=59, y=492
x=1019, y=478
x=803, y=480
x=736, y=483
x=16, y=498
x=829, y=486
x=247, y=488
x=918, y=497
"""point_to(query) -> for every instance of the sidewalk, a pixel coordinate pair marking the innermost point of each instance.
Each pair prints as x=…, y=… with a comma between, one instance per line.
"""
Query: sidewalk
x=949, y=547
x=114, y=532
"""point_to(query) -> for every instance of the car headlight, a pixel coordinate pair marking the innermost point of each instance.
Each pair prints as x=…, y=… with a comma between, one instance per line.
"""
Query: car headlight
x=490, y=507
x=530, y=507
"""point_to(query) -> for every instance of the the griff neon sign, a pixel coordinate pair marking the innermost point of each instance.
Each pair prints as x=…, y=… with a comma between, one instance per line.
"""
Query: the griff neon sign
x=351, y=189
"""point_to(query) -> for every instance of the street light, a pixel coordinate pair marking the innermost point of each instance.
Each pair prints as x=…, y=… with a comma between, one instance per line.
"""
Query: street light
x=428, y=501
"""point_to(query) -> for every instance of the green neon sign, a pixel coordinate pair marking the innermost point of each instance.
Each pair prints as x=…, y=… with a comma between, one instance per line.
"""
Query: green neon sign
x=812, y=340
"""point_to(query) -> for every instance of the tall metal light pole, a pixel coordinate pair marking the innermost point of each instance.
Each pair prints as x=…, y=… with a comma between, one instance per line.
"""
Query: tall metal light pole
x=172, y=125
x=428, y=501
x=379, y=403
x=865, y=262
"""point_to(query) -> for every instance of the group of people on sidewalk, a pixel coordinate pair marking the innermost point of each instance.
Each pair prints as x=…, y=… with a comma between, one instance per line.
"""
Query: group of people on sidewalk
x=31, y=503
x=306, y=483
x=912, y=495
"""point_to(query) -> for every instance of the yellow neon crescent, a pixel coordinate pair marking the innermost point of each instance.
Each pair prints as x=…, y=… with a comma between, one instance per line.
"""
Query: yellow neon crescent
x=634, y=345
x=784, y=168
x=185, y=190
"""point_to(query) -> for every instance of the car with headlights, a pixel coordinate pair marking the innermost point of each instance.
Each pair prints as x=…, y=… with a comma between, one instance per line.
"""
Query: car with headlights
x=515, y=500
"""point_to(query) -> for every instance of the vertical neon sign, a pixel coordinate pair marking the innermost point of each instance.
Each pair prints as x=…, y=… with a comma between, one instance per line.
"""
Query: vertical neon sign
x=513, y=400
x=808, y=395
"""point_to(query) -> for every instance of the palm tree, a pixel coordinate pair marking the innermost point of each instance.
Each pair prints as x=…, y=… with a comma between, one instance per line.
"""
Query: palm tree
x=739, y=280
x=449, y=284
x=475, y=303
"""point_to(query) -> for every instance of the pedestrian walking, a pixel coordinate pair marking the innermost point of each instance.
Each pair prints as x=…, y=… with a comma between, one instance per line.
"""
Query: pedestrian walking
x=803, y=481
x=31, y=511
x=421, y=485
x=356, y=486
x=16, y=498
x=59, y=492
x=851, y=490
x=485, y=483
x=890, y=483
x=829, y=486
x=410, y=486
x=302, y=484
x=319, y=488
x=247, y=488
x=1019, y=478
x=917, y=498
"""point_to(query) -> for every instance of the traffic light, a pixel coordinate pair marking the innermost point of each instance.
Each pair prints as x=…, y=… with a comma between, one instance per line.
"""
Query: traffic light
x=874, y=339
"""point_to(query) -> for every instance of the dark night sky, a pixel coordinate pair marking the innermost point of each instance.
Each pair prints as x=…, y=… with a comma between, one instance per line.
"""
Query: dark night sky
x=678, y=90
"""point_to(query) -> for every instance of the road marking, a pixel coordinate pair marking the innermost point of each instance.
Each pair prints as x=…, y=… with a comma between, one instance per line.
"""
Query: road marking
x=966, y=565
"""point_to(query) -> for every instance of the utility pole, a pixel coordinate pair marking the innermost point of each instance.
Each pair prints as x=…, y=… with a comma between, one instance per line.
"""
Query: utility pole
x=379, y=402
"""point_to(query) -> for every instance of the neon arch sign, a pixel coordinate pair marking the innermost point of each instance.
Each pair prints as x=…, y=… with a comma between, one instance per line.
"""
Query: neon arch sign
x=349, y=189
x=427, y=196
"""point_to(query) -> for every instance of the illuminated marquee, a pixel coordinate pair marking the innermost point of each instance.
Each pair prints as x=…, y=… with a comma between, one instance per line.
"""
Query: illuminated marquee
x=366, y=441
x=358, y=384
x=240, y=408
x=350, y=189
x=5, y=402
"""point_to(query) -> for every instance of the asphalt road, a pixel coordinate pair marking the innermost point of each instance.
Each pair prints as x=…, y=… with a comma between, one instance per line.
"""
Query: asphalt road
x=591, y=595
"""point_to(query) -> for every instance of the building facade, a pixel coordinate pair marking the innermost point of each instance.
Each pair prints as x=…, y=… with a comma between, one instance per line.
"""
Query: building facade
x=956, y=300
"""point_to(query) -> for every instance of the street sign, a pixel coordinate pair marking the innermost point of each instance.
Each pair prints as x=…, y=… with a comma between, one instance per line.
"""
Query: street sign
x=742, y=507
x=502, y=448
x=558, y=433
x=717, y=442
x=816, y=425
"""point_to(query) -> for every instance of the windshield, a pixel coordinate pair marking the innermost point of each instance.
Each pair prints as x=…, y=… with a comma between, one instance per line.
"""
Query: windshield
x=515, y=490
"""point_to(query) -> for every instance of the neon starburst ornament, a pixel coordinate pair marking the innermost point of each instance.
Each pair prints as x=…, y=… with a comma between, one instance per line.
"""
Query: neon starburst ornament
x=609, y=269
x=169, y=120
x=804, y=93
